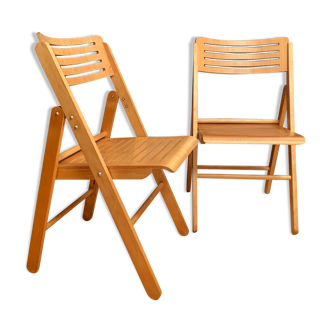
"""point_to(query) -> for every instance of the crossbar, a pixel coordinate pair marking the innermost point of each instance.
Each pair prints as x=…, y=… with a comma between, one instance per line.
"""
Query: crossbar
x=251, y=168
x=145, y=205
x=244, y=176
x=238, y=121
x=69, y=208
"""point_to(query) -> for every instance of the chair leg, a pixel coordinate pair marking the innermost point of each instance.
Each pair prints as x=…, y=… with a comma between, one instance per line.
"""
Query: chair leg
x=171, y=202
x=130, y=238
x=189, y=171
x=46, y=186
x=195, y=151
x=90, y=201
x=293, y=189
x=273, y=162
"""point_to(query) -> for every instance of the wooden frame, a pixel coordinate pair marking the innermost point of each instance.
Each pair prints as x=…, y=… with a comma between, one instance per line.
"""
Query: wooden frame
x=246, y=57
x=57, y=63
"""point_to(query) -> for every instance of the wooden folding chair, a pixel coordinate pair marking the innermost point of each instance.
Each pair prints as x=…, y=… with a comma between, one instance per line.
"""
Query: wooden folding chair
x=246, y=57
x=101, y=159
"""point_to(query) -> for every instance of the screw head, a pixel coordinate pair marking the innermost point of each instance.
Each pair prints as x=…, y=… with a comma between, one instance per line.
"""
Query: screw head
x=56, y=113
x=123, y=99
x=99, y=174
x=112, y=96
x=76, y=127
x=126, y=106
x=71, y=117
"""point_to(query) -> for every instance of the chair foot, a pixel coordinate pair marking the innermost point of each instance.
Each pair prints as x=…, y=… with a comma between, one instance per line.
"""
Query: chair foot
x=273, y=162
x=195, y=190
x=90, y=201
x=293, y=190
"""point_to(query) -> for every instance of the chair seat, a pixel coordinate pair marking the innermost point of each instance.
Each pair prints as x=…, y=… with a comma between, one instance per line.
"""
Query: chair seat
x=138, y=152
x=247, y=134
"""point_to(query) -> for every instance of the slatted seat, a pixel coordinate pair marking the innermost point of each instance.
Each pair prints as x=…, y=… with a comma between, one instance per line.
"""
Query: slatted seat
x=247, y=134
x=101, y=159
x=134, y=153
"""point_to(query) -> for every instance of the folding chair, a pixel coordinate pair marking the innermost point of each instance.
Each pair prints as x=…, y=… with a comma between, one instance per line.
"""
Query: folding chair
x=101, y=159
x=246, y=57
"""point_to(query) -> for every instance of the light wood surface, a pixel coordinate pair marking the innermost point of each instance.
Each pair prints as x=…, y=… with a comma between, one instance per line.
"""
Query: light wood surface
x=247, y=134
x=91, y=158
x=224, y=56
x=138, y=152
x=46, y=185
x=246, y=57
x=103, y=64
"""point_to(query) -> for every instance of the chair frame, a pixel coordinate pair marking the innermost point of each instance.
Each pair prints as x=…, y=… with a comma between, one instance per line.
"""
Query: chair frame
x=284, y=64
x=99, y=175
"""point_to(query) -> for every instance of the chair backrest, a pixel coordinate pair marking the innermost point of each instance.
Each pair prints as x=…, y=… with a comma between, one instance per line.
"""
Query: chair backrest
x=242, y=57
x=273, y=55
x=81, y=59
x=73, y=61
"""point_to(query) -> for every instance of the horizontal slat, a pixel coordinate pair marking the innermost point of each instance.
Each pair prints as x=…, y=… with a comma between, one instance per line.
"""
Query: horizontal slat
x=242, y=63
x=82, y=69
x=242, y=56
x=68, y=41
x=247, y=168
x=244, y=176
x=75, y=50
x=89, y=78
x=257, y=42
x=235, y=70
x=237, y=121
x=78, y=60
x=242, y=49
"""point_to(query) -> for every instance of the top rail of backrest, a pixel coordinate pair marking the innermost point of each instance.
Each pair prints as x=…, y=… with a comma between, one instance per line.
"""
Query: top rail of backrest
x=82, y=60
x=242, y=56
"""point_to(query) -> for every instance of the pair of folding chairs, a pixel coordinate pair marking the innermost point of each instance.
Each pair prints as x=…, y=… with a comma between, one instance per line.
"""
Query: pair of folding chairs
x=102, y=159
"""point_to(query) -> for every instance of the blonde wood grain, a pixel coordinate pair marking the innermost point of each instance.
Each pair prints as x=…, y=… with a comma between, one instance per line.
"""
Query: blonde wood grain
x=87, y=159
x=46, y=185
x=215, y=56
x=238, y=121
x=84, y=173
x=248, y=134
x=146, y=204
x=171, y=202
x=90, y=201
x=125, y=96
x=292, y=149
x=283, y=106
x=97, y=165
x=247, y=57
x=84, y=56
x=106, y=127
x=65, y=154
x=293, y=190
x=190, y=158
x=109, y=113
x=138, y=152
x=194, y=130
x=273, y=163
x=244, y=176
x=252, y=168
x=67, y=41
x=69, y=208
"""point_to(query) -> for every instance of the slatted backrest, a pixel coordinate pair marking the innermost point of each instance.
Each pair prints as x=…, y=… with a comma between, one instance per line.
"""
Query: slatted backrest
x=242, y=57
x=81, y=59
